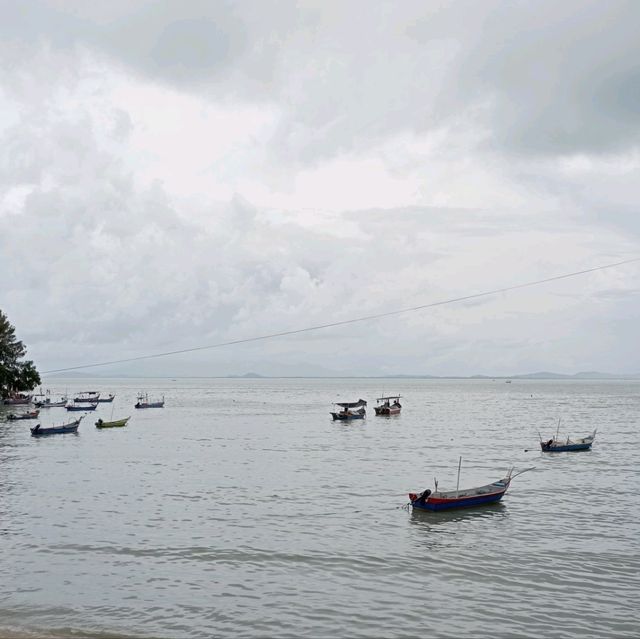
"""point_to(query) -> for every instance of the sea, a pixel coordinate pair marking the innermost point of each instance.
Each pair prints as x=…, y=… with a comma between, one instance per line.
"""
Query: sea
x=241, y=509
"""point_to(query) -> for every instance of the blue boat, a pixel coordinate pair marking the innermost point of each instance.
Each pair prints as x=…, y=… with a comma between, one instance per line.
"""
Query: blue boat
x=71, y=427
x=555, y=445
x=33, y=414
x=347, y=414
x=84, y=407
x=47, y=403
x=465, y=498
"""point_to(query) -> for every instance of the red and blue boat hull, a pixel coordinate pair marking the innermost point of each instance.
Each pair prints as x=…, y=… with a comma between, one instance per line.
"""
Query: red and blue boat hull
x=435, y=503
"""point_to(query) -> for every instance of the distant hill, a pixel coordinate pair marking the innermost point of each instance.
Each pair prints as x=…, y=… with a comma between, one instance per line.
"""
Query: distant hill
x=581, y=375
x=542, y=375
x=584, y=375
x=247, y=376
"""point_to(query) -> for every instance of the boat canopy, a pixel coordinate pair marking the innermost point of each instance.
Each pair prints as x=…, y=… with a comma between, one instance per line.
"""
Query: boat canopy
x=357, y=404
x=382, y=399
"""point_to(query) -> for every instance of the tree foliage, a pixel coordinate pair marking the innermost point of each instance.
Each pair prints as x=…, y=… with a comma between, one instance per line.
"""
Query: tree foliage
x=15, y=375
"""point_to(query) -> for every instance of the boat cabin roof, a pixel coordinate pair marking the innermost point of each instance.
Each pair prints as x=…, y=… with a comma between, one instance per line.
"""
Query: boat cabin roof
x=360, y=402
x=381, y=399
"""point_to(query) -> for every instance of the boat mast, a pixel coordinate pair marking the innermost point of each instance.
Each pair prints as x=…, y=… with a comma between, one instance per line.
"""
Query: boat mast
x=458, y=482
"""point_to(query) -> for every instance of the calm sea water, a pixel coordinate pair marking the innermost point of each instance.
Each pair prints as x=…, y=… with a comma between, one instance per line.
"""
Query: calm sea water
x=241, y=509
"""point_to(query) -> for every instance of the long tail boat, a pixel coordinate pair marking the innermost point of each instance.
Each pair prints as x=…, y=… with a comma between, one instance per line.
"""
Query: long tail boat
x=114, y=424
x=47, y=403
x=71, y=427
x=555, y=445
x=347, y=413
x=465, y=498
x=33, y=414
x=84, y=407
x=17, y=399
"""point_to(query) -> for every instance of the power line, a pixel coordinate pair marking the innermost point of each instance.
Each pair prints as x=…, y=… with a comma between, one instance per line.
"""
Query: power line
x=365, y=318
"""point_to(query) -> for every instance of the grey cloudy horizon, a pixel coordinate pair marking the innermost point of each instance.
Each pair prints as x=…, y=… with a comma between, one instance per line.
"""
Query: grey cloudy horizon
x=183, y=173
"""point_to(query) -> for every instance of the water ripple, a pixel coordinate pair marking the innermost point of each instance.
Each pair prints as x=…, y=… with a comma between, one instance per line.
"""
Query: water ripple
x=243, y=510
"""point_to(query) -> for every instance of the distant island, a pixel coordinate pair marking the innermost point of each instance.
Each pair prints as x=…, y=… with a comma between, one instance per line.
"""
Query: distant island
x=584, y=375
x=247, y=376
x=539, y=375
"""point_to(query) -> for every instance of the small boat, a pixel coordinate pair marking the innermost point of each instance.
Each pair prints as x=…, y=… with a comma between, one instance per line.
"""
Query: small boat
x=84, y=407
x=71, y=427
x=106, y=400
x=386, y=407
x=17, y=399
x=47, y=403
x=88, y=396
x=347, y=414
x=143, y=402
x=33, y=414
x=115, y=424
x=555, y=445
x=465, y=498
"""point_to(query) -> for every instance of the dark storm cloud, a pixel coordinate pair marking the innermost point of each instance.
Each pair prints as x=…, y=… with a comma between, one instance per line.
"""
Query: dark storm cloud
x=540, y=78
x=177, y=43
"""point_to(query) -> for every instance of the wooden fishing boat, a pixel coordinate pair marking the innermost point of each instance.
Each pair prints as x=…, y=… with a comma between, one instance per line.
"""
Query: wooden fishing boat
x=386, y=407
x=465, y=498
x=114, y=424
x=143, y=402
x=33, y=414
x=47, y=403
x=87, y=396
x=71, y=427
x=106, y=400
x=347, y=413
x=555, y=445
x=17, y=399
x=85, y=407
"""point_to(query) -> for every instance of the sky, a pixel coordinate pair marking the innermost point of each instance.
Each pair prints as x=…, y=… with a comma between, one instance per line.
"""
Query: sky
x=182, y=173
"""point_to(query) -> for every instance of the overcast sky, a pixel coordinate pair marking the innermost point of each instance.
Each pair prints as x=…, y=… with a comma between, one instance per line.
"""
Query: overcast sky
x=176, y=174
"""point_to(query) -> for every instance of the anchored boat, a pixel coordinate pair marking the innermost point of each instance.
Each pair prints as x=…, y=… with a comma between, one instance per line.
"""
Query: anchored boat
x=47, y=403
x=347, y=413
x=465, y=498
x=387, y=407
x=114, y=424
x=555, y=445
x=16, y=399
x=71, y=427
x=84, y=407
x=87, y=396
x=143, y=402
x=33, y=414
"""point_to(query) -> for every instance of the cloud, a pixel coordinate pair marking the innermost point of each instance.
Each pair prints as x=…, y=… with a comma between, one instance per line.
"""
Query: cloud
x=533, y=78
x=182, y=174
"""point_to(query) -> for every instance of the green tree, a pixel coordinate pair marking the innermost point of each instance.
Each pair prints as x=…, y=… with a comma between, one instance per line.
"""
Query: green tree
x=15, y=376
